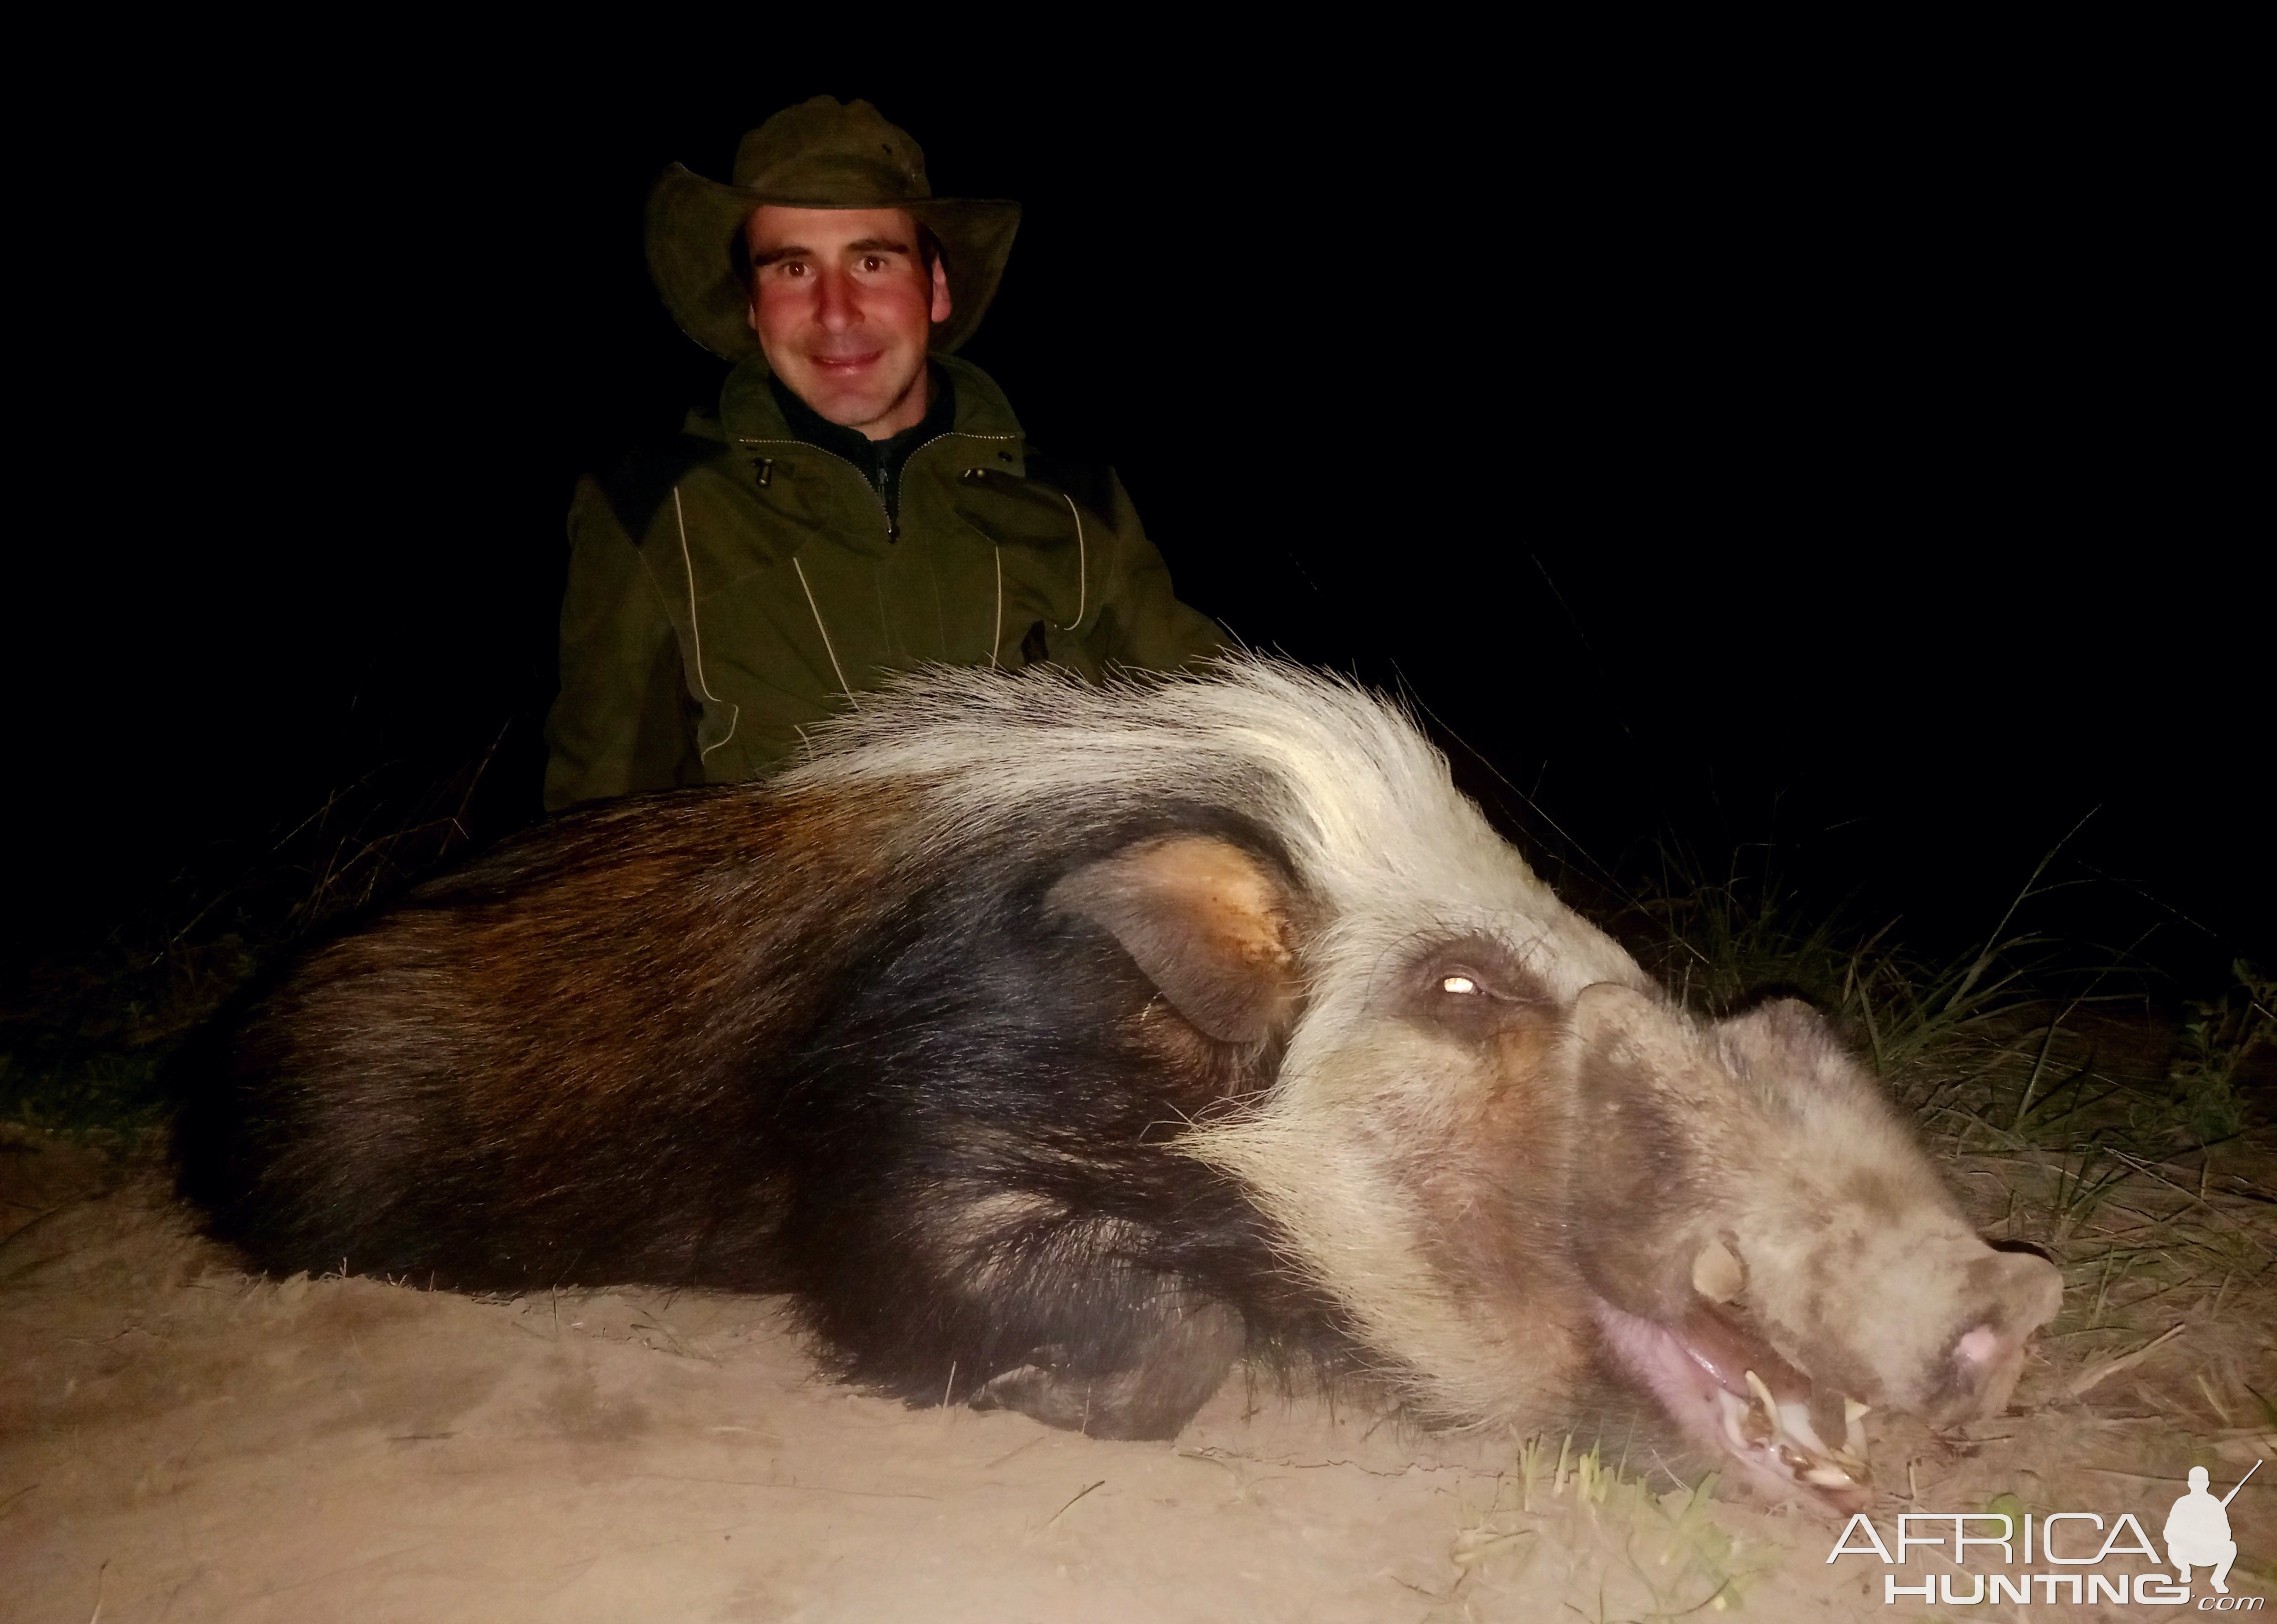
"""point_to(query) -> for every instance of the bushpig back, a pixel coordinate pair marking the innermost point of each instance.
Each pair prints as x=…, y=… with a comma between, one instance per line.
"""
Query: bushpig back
x=541, y=1068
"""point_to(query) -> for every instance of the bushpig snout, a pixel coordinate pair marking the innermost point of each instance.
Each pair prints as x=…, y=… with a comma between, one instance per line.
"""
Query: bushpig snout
x=1751, y=1177
x=1994, y=1302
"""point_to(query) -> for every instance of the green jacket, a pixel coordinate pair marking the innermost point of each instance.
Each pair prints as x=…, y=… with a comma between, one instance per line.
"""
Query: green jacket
x=740, y=584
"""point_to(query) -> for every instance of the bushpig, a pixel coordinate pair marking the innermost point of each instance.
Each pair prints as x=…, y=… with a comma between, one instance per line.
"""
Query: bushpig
x=1055, y=1047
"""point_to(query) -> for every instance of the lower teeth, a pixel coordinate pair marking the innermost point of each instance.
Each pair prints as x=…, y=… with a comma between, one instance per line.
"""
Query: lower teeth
x=1785, y=1434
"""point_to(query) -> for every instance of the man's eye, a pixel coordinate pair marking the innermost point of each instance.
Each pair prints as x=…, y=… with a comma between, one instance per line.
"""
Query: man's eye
x=872, y=263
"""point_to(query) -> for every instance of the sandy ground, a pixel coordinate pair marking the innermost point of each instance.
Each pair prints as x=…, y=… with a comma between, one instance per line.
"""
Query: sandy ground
x=181, y=1442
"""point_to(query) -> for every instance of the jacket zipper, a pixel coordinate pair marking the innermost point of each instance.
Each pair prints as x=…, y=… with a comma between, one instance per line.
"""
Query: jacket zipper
x=892, y=534
x=893, y=526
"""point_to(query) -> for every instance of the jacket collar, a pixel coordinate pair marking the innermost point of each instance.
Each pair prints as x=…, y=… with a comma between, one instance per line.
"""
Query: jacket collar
x=872, y=457
x=749, y=412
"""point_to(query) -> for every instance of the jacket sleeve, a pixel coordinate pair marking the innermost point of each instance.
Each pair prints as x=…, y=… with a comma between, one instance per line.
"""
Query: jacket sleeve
x=621, y=723
x=1141, y=622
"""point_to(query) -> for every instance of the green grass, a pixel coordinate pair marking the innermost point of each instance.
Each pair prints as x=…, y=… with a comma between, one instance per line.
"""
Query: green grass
x=2205, y=1100
x=1718, y=941
x=1981, y=1044
x=1567, y=1524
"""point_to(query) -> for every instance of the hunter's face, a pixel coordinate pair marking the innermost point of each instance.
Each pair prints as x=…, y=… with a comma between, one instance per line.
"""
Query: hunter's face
x=844, y=307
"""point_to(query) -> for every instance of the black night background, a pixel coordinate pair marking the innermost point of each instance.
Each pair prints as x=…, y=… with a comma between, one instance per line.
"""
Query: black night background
x=1853, y=480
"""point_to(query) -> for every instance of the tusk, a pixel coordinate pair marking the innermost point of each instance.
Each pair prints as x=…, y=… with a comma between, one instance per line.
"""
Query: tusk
x=1763, y=1395
x=1853, y=1427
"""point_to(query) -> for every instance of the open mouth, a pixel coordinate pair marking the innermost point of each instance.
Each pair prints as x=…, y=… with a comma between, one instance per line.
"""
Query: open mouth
x=845, y=365
x=1730, y=1389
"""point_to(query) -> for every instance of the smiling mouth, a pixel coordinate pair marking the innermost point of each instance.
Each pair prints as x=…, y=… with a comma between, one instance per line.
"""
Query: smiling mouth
x=846, y=363
x=1731, y=1391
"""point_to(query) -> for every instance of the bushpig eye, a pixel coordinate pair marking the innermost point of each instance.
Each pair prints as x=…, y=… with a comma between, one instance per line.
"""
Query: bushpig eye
x=1472, y=989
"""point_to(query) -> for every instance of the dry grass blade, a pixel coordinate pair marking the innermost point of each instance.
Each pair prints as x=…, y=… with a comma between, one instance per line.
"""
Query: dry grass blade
x=2103, y=1370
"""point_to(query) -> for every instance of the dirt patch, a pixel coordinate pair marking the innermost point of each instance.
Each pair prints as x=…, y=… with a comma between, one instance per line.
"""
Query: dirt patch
x=179, y=1441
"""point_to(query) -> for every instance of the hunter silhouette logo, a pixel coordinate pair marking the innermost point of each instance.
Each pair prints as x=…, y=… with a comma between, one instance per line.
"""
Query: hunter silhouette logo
x=2197, y=1529
x=2197, y=1534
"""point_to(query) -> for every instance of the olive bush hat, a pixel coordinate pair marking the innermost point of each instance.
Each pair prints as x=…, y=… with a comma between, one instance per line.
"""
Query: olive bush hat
x=821, y=154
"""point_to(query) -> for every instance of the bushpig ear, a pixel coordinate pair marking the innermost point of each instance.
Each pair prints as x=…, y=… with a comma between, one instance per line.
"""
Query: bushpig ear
x=1206, y=921
x=1783, y=1041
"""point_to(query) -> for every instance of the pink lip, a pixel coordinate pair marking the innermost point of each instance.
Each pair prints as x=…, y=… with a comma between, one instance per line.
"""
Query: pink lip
x=1699, y=1372
x=846, y=363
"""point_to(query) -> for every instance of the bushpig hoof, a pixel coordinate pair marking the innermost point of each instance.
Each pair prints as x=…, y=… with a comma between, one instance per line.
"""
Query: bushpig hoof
x=1152, y=1398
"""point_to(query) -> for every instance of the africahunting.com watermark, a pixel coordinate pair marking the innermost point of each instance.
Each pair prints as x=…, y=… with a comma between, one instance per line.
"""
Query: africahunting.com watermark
x=2070, y=1549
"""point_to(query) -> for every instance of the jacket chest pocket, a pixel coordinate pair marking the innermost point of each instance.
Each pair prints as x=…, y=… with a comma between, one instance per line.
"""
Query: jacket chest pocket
x=736, y=530
x=1049, y=548
x=794, y=493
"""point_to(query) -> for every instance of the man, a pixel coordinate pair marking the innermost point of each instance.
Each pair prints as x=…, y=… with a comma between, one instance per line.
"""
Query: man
x=862, y=502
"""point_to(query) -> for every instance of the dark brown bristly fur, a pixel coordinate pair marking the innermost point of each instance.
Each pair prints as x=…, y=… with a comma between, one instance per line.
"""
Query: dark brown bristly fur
x=759, y=1041
x=485, y=1082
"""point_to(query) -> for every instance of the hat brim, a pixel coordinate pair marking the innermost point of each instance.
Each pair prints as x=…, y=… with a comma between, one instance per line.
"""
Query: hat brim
x=691, y=228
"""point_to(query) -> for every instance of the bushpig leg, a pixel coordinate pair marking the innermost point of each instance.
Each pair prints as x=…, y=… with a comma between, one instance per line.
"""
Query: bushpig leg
x=1174, y=1353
